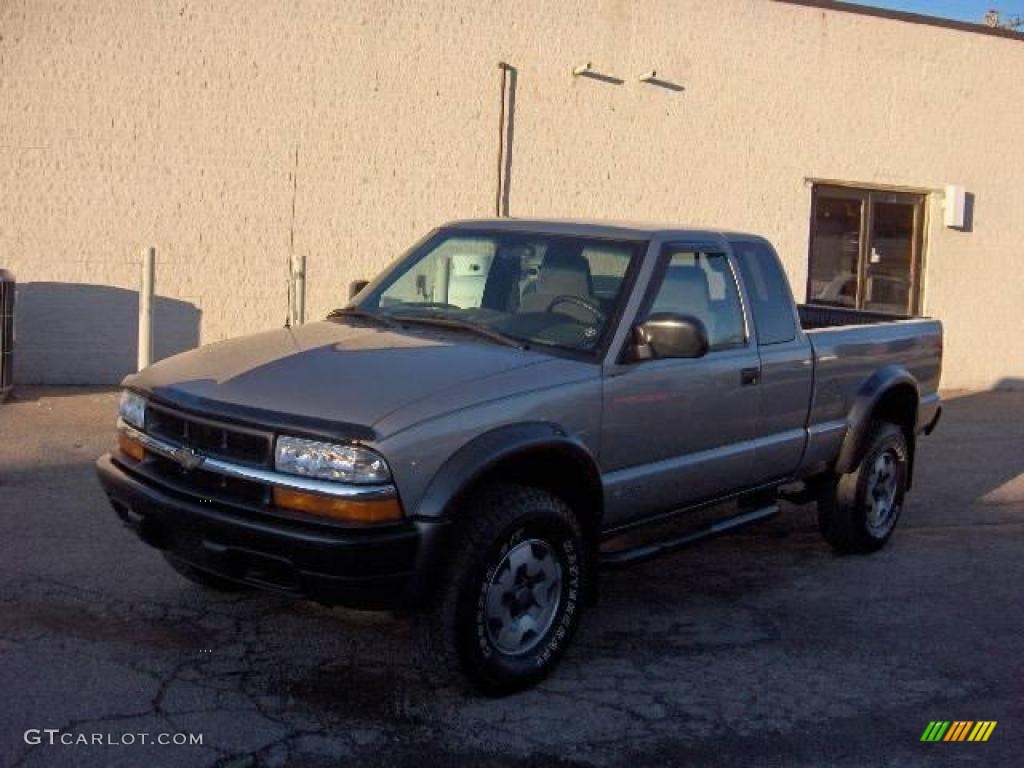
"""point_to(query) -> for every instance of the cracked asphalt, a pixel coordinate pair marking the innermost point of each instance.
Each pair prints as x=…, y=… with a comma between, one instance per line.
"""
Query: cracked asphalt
x=762, y=648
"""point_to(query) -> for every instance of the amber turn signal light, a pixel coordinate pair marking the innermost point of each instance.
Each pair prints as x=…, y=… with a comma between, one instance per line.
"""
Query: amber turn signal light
x=130, y=447
x=377, y=511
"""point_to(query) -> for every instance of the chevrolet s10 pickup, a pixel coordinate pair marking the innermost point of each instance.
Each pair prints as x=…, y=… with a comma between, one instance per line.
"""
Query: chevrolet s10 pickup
x=480, y=428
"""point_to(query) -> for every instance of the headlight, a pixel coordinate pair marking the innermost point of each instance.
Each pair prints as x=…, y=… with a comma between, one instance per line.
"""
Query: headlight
x=329, y=461
x=133, y=409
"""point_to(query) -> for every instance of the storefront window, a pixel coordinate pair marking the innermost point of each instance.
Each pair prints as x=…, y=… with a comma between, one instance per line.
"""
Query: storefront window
x=865, y=249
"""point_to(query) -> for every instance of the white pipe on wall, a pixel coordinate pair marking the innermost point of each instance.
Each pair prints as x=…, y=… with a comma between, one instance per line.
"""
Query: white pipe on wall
x=299, y=277
x=146, y=308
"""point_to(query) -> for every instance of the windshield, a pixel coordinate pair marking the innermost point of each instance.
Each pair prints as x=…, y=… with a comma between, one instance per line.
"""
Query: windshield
x=543, y=290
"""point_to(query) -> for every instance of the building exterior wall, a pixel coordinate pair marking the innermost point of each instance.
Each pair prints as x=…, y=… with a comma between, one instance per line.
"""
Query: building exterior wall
x=228, y=134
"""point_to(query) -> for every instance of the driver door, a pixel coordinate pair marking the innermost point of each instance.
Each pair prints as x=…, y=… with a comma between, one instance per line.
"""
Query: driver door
x=680, y=431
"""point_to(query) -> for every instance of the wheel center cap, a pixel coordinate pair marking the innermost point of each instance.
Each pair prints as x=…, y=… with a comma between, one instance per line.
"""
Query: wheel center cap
x=523, y=599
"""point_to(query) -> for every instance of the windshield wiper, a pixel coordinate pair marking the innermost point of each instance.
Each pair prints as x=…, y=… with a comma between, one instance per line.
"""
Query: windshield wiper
x=362, y=314
x=461, y=325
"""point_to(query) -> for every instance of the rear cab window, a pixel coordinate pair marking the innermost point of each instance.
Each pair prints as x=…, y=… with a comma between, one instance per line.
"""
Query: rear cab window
x=768, y=294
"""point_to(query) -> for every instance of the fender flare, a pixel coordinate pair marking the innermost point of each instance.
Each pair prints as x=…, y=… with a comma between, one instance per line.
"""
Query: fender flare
x=486, y=451
x=858, y=421
x=470, y=462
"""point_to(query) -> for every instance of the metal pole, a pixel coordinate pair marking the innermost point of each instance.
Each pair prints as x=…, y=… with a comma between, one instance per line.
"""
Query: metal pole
x=146, y=309
x=300, y=289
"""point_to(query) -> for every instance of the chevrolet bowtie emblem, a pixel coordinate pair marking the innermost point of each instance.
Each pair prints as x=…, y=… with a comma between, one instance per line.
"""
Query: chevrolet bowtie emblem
x=187, y=458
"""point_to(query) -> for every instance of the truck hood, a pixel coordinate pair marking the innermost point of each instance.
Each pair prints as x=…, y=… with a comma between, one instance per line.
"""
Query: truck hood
x=327, y=377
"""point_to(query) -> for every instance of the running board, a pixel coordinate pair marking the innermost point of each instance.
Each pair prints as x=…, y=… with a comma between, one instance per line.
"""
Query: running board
x=633, y=555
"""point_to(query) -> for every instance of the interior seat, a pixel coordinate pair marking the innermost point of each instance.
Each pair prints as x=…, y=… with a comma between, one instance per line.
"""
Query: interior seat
x=564, y=272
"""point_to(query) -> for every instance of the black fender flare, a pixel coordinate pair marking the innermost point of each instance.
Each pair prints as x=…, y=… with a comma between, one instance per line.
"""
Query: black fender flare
x=486, y=451
x=469, y=463
x=858, y=421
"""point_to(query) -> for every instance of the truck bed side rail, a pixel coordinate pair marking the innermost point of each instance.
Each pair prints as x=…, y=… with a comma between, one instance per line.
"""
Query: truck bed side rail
x=824, y=316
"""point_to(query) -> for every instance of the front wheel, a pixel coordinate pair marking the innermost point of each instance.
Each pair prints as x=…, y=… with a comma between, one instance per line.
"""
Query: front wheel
x=857, y=512
x=512, y=597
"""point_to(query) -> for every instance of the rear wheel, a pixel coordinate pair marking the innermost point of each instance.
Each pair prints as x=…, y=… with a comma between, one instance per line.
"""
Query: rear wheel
x=511, y=599
x=202, y=578
x=858, y=512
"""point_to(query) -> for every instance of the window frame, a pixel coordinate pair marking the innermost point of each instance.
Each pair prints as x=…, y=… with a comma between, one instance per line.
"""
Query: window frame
x=868, y=196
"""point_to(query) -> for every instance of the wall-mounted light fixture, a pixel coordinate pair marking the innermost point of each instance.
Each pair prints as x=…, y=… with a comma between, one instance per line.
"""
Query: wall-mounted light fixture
x=587, y=71
x=651, y=78
x=955, y=213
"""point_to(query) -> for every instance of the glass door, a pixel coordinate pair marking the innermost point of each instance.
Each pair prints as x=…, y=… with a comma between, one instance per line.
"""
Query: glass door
x=866, y=249
x=837, y=231
x=890, y=271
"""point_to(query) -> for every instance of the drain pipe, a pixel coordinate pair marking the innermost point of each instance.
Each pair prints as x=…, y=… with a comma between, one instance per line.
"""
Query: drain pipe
x=499, y=189
x=146, y=309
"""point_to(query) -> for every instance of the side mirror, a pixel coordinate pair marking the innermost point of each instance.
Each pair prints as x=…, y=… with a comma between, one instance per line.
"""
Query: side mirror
x=666, y=334
x=356, y=286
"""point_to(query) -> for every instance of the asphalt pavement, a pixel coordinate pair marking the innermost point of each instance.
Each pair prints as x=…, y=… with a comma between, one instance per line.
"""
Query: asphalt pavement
x=762, y=648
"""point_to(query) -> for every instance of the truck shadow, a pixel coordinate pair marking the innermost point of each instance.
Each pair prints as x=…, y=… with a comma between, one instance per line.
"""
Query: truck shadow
x=971, y=470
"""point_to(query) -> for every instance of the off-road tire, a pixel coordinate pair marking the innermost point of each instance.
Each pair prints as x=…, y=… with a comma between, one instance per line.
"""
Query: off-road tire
x=455, y=634
x=202, y=578
x=846, y=512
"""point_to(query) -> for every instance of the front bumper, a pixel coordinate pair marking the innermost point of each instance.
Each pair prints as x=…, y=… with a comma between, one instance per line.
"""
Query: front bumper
x=371, y=567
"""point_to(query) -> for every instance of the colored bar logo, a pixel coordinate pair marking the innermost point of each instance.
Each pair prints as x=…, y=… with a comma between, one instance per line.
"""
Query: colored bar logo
x=958, y=730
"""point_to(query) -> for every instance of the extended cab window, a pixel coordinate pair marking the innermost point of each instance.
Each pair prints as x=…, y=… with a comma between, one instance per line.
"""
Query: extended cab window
x=702, y=285
x=767, y=292
x=538, y=289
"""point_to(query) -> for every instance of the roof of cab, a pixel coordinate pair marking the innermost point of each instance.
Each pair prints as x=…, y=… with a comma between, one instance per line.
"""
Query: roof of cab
x=623, y=230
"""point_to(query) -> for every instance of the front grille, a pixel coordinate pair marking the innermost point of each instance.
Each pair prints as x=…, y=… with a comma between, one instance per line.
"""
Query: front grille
x=206, y=486
x=208, y=437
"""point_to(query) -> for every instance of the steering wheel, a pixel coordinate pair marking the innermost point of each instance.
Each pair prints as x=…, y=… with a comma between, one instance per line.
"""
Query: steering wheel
x=578, y=301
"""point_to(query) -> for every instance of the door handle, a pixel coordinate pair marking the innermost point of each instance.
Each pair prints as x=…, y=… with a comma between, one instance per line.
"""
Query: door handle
x=750, y=376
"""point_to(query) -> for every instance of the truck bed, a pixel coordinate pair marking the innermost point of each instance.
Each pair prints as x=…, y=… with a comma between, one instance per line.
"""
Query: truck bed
x=850, y=346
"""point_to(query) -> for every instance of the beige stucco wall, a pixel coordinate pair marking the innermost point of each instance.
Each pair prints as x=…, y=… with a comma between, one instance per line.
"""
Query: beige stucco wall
x=128, y=123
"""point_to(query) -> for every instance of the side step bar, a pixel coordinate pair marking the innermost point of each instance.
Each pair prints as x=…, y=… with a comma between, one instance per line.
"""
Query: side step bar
x=632, y=555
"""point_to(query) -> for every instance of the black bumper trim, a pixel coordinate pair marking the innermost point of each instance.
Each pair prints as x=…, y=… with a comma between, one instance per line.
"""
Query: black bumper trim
x=359, y=568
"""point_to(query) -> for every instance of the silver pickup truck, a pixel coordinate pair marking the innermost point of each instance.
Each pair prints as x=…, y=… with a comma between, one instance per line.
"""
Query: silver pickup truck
x=473, y=435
